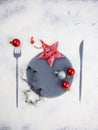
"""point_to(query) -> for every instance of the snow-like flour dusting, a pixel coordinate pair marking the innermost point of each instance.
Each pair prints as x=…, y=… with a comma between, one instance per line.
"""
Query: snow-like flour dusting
x=66, y=21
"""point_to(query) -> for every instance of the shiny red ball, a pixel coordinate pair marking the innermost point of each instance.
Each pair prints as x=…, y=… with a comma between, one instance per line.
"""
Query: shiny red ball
x=70, y=71
x=15, y=42
x=65, y=85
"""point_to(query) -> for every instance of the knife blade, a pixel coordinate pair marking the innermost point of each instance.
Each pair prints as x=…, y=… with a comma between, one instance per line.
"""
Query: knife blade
x=81, y=68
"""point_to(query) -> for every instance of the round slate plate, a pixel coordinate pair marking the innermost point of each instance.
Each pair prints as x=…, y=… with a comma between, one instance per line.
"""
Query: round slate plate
x=41, y=77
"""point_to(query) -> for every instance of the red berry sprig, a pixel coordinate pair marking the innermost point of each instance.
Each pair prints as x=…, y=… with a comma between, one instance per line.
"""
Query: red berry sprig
x=70, y=72
x=32, y=40
x=15, y=42
x=65, y=85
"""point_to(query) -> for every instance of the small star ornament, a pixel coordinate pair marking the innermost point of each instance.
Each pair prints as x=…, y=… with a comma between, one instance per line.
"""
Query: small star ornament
x=50, y=53
x=31, y=97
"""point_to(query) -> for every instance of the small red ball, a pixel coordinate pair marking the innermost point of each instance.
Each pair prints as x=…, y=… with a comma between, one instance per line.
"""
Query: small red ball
x=66, y=85
x=70, y=71
x=15, y=42
x=32, y=40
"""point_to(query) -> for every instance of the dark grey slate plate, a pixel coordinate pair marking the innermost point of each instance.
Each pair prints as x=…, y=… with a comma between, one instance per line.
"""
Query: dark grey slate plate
x=41, y=77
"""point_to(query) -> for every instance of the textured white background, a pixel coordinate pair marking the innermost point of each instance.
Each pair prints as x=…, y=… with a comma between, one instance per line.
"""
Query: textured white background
x=66, y=21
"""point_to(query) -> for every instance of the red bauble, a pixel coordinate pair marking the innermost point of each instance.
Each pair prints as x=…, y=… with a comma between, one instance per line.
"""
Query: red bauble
x=70, y=71
x=65, y=85
x=15, y=42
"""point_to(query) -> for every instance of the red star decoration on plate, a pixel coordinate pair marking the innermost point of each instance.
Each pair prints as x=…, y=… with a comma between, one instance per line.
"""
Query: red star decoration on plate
x=50, y=53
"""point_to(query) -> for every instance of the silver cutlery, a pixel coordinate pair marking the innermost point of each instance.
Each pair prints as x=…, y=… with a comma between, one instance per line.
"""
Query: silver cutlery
x=17, y=54
x=81, y=68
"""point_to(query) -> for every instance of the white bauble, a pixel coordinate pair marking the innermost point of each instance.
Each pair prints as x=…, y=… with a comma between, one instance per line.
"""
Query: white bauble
x=61, y=75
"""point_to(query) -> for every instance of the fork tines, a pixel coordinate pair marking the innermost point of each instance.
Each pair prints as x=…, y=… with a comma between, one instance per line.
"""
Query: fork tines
x=17, y=52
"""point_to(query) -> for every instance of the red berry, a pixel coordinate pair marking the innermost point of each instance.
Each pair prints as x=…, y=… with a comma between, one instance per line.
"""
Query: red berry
x=66, y=85
x=15, y=42
x=32, y=40
x=70, y=71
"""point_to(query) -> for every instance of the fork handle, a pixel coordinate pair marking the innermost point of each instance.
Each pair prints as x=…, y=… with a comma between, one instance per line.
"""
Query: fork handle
x=17, y=82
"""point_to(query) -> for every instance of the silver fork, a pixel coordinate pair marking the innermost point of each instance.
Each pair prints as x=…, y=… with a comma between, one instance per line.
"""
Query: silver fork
x=17, y=54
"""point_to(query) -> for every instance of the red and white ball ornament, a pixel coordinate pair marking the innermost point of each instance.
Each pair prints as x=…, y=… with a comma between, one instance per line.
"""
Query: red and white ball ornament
x=64, y=75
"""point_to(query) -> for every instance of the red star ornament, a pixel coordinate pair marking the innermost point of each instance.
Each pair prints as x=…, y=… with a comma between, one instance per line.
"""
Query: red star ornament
x=50, y=53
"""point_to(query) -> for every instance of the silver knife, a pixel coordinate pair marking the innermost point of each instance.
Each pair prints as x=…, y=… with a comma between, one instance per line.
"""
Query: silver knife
x=81, y=68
